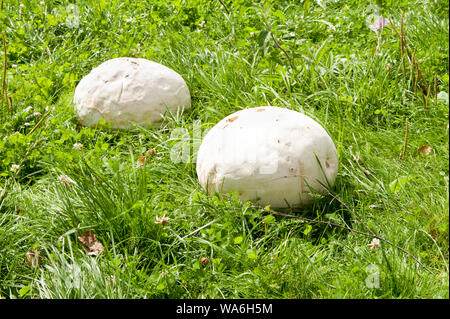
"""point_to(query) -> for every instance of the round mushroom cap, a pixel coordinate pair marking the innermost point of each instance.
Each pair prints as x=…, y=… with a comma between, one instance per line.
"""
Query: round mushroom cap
x=125, y=90
x=269, y=155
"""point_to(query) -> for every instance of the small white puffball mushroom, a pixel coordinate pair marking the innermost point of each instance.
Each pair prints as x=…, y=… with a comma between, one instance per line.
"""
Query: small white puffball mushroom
x=269, y=155
x=123, y=91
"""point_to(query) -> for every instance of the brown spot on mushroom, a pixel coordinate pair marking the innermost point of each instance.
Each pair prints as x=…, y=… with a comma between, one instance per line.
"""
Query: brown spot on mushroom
x=134, y=64
x=278, y=141
x=232, y=119
x=260, y=110
x=292, y=170
x=277, y=120
x=327, y=164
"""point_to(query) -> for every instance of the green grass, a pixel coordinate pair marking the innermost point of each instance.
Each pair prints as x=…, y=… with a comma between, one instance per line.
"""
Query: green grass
x=336, y=70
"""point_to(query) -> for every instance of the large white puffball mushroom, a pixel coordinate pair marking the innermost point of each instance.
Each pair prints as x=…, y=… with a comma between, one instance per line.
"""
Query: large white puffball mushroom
x=269, y=155
x=123, y=91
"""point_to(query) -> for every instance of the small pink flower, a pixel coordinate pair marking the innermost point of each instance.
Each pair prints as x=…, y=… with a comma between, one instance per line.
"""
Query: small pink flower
x=379, y=24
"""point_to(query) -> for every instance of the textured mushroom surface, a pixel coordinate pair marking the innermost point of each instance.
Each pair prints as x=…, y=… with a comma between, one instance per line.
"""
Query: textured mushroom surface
x=269, y=155
x=126, y=90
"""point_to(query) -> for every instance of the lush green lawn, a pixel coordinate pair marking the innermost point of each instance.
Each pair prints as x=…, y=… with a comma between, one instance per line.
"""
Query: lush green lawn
x=316, y=57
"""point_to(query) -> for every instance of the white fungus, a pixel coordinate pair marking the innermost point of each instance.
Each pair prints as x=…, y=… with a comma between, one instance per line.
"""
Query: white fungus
x=268, y=155
x=123, y=91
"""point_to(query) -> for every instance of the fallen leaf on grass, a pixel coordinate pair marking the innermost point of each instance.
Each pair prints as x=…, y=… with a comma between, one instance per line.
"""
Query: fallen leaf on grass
x=433, y=232
x=204, y=260
x=33, y=258
x=91, y=244
x=425, y=150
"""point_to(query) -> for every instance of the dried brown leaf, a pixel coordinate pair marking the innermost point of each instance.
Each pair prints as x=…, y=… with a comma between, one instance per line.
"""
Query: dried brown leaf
x=433, y=232
x=141, y=160
x=33, y=258
x=91, y=244
x=424, y=150
x=204, y=260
